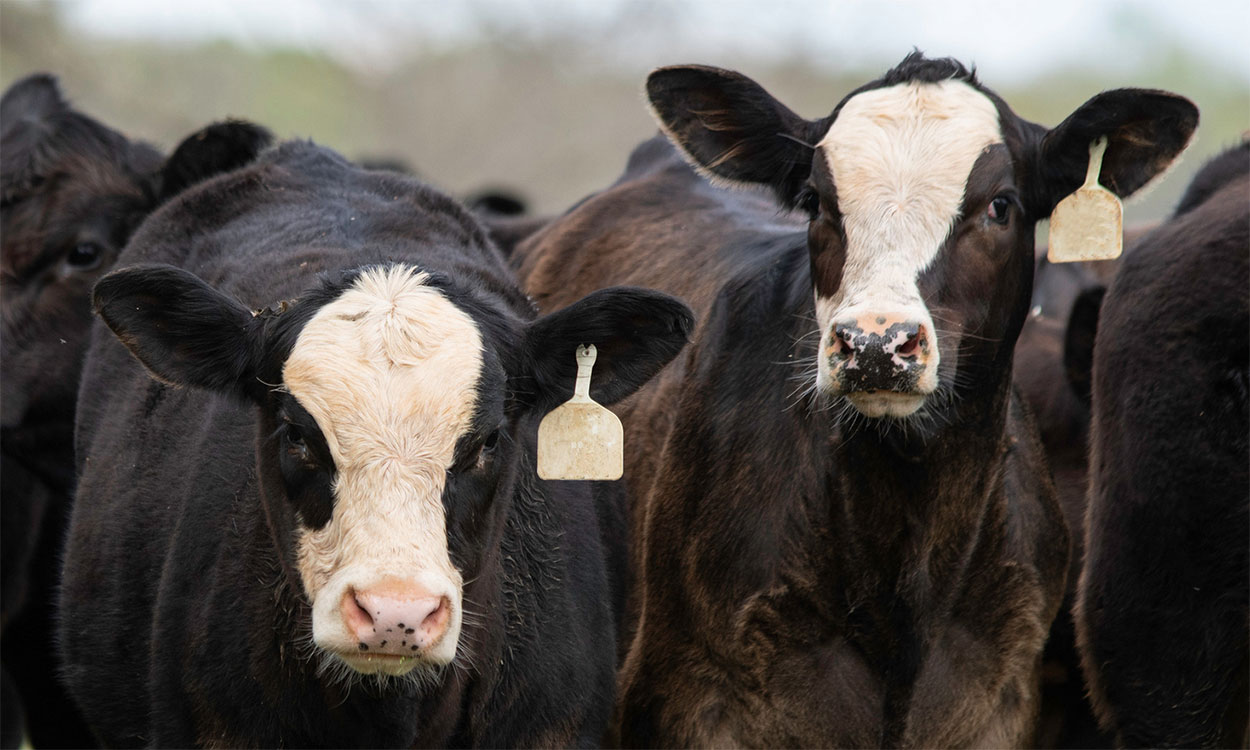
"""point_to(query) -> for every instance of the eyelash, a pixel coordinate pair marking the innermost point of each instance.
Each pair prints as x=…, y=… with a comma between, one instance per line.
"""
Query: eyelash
x=297, y=446
x=808, y=201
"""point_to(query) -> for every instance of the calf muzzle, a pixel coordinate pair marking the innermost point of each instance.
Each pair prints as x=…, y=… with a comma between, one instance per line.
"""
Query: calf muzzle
x=396, y=619
x=878, y=353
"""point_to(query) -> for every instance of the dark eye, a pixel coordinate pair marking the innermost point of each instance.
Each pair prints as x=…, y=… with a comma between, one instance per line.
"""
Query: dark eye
x=85, y=256
x=999, y=211
x=295, y=441
x=809, y=201
x=476, y=458
x=491, y=441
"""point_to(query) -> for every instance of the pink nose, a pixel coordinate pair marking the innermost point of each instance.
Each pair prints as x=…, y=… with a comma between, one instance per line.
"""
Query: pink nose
x=396, y=617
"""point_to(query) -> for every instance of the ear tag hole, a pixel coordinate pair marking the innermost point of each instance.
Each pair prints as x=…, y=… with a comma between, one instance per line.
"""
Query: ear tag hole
x=1089, y=223
x=580, y=439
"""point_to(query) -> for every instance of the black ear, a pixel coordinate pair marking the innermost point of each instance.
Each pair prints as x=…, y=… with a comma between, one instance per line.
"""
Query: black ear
x=218, y=148
x=1078, y=341
x=33, y=99
x=184, y=331
x=27, y=113
x=1146, y=131
x=496, y=202
x=635, y=332
x=733, y=128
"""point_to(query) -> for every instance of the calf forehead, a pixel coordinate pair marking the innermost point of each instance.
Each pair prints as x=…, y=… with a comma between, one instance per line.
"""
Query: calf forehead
x=900, y=158
x=390, y=371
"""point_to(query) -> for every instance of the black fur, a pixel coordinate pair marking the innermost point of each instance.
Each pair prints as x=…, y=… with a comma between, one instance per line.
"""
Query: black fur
x=184, y=621
x=1164, y=597
x=180, y=328
x=1078, y=342
x=624, y=325
x=218, y=148
x=73, y=191
x=1213, y=175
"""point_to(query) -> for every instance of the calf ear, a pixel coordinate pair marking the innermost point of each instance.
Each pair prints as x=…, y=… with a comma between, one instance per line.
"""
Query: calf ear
x=1078, y=341
x=733, y=129
x=185, y=332
x=1146, y=130
x=26, y=113
x=218, y=148
x=635, y=332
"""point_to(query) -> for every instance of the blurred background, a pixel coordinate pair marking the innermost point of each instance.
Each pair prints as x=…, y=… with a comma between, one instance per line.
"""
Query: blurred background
x=544, y=97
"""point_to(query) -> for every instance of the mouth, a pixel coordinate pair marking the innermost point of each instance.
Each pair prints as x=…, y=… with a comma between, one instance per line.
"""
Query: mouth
x=877, y=404
x=394, y=665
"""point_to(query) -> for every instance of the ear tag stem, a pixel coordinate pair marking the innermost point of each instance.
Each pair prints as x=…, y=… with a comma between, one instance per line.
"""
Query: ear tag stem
x=580, y=439
x=1089, y=224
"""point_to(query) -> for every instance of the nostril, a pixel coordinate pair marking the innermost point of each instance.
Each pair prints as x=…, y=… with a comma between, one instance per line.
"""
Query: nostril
x=436, y=622
x=355, y=614
x=910, y=347
x=842, y=343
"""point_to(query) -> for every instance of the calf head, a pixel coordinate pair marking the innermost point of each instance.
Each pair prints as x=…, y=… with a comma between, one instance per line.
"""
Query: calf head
x=72, y=193
x=396, y=409
x=923, y=189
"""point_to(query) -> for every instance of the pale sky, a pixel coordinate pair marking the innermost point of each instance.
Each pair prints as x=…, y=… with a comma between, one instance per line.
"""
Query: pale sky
x=1014, y=39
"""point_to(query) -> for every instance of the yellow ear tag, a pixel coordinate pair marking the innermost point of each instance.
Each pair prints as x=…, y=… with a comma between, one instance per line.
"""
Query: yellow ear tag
x=1087, y=225
x=580, y=439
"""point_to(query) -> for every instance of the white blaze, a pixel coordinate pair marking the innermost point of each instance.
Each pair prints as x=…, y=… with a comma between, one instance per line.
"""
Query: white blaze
x=389, y=370
x=900, y=159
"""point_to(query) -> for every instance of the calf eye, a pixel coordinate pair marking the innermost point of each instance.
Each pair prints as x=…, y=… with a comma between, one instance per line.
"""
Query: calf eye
x=295, y=442
x=85, y=256
x=1000, y=210
x=809, y=201
x=491, y=441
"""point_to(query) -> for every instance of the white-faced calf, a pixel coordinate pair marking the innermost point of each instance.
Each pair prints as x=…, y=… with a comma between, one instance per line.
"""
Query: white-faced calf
x=322, y=526
x=845, y=531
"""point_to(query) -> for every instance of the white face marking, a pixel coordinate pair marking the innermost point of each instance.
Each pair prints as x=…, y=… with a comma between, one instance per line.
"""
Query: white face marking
x=900, y=158
x=389, y=370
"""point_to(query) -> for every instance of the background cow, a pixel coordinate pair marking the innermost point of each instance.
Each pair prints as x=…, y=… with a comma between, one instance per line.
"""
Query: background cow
x=847, y=531
x=334, y=535
x=1052, y=370
x=73, y=191
x=1164, y=597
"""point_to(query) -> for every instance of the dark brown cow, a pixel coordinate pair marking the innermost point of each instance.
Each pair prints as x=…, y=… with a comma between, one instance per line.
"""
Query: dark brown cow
x=1164, y=596
x=73, y=191
x=847, y=533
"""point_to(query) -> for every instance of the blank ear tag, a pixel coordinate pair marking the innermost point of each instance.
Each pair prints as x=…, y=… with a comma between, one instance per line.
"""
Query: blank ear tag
x=1087, y=225
x=580, y=439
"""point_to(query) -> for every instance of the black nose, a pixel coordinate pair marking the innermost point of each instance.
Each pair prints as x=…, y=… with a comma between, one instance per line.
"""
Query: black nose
x=878, y=353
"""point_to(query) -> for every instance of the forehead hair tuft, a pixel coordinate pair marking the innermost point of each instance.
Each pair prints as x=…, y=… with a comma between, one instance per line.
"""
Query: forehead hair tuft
x=916, y=68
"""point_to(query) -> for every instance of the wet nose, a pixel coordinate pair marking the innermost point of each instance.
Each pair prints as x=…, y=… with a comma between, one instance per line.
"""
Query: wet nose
x=398, y=618
x=878, y=353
